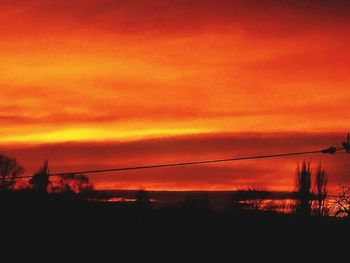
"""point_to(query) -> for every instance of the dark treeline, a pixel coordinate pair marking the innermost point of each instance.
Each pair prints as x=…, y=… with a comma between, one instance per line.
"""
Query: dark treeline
x=71, y=200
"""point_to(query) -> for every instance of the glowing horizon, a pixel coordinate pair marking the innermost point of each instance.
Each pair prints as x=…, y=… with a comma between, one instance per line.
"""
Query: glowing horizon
x=118, y=71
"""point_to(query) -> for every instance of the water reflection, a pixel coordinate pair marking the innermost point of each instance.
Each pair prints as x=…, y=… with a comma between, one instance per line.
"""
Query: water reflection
x=126, y=200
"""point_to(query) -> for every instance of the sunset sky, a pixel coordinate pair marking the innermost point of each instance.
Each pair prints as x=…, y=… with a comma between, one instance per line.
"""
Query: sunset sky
x=94, y=84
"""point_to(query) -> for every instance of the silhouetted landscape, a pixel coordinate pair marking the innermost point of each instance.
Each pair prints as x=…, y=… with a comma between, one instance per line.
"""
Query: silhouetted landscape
x=71, y=201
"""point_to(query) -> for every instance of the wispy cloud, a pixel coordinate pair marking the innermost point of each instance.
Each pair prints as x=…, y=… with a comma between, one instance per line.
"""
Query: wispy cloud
x=95, y=71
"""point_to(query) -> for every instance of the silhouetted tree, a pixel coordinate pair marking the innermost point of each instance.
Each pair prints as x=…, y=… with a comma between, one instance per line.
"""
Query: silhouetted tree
x=341, y=204
x=303, y=189
x=74, y=183
x=40, y=181
x=321, y=182
x=9, y=170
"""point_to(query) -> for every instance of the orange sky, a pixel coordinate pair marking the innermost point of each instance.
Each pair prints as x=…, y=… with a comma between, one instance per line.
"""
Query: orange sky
x=109, y=73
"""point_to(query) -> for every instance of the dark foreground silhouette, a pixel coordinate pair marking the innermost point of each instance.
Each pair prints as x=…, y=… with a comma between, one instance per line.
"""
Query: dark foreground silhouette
x=69, y=224
x=37, y=211
x=66, y=214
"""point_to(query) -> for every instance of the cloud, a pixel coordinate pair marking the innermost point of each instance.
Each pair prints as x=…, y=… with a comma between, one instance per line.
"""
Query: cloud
x=102, y=70
x=209, y=65
x=177, y=16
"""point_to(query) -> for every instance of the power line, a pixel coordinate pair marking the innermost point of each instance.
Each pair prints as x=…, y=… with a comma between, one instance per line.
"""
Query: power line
x=330, y=150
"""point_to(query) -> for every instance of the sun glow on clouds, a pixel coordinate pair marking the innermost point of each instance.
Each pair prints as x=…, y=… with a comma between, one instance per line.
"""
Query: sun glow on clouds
x=215, y=82
x=83, y=71
x=91, y=134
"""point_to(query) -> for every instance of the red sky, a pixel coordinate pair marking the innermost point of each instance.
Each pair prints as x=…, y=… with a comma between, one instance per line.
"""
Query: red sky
x=90, y=84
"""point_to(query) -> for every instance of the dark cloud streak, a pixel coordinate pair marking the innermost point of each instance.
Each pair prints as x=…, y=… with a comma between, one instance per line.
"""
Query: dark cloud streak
x=181, y=15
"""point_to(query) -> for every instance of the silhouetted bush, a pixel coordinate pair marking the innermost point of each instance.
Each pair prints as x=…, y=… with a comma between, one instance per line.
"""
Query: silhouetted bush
x=251, y=198
x=73, y=184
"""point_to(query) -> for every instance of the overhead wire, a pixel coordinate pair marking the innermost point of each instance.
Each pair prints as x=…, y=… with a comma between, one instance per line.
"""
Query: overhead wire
x=330, y=150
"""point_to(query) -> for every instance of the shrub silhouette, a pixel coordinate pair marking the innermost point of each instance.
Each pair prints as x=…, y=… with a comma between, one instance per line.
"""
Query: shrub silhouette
x=250, y=198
